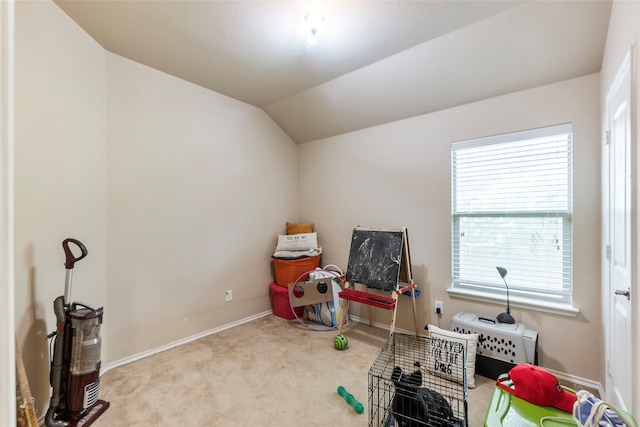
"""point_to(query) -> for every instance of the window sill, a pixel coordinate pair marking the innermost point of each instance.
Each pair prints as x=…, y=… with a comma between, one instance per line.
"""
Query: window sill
x=547, y=307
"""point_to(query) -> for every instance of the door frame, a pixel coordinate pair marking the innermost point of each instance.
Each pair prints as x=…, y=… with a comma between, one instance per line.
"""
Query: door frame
x=7, y=321
x=629, y=63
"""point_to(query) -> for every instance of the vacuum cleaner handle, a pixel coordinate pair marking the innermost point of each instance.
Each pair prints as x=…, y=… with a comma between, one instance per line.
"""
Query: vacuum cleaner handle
x=70, y=258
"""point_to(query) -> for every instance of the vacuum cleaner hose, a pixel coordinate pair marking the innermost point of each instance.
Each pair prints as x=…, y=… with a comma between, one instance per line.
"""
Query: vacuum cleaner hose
x=50, y=422
x=57, y=366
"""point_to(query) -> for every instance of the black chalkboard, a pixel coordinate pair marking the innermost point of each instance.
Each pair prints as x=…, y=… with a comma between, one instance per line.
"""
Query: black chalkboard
x=375, y=258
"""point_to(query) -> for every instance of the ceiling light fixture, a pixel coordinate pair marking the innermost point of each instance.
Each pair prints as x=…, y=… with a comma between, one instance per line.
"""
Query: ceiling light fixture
x=314, y=22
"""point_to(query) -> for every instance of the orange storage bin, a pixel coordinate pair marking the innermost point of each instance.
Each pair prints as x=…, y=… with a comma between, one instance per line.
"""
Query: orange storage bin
x=288, y=270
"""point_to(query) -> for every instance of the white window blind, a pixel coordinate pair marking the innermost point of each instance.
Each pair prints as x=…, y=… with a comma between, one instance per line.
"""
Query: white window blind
x=512, y=207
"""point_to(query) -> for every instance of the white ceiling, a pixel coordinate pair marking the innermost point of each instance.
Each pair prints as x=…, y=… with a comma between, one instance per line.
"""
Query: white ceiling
x=375, y=61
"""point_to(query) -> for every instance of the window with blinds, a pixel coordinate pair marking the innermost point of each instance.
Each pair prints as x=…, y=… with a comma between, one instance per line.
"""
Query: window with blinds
x=512, y=207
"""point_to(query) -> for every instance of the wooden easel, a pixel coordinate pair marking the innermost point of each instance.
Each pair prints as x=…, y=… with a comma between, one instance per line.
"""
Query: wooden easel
x=380, y=301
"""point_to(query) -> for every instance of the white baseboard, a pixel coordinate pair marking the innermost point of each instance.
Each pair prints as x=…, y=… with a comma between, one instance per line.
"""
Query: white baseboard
x=175, y=344
x=582, y=382
x=384, y=326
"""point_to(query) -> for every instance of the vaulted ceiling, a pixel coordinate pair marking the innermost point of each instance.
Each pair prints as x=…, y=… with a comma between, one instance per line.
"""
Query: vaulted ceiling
x=374, y=61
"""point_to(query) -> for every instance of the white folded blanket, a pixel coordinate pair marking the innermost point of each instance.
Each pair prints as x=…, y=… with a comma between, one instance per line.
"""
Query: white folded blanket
x=297, y=254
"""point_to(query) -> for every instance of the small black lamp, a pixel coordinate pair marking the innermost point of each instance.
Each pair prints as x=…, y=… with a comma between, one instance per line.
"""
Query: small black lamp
x=506, y=316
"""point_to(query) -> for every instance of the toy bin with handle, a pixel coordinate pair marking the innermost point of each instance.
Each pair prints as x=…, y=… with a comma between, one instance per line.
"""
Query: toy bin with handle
x=289, y=270
x=281, y=304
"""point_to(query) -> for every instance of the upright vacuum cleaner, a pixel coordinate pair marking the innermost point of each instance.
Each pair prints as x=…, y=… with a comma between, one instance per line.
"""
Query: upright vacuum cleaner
x=75, y=365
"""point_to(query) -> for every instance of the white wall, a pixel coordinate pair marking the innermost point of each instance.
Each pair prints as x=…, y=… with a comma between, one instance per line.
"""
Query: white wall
x=399, y=175
x=177, y=192
x=624, y=28
x=60, y=174
x=199, y=187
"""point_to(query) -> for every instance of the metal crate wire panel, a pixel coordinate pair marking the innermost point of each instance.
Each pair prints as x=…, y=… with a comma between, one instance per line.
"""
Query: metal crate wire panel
x=409, y=384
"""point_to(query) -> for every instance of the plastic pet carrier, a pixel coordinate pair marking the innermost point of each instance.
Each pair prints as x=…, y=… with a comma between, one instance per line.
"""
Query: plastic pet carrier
x=501, y=346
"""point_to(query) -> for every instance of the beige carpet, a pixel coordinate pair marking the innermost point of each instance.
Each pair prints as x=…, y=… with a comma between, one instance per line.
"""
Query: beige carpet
x=268, y=372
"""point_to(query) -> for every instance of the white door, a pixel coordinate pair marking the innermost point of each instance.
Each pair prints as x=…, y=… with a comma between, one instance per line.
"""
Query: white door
x=619, y=166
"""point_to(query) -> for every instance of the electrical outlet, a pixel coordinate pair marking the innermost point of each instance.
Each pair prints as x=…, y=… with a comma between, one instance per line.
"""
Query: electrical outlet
x=228, y=296
x=439, y=307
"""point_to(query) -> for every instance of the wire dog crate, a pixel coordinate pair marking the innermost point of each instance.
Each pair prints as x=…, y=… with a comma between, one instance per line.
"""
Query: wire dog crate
x=418, y=381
